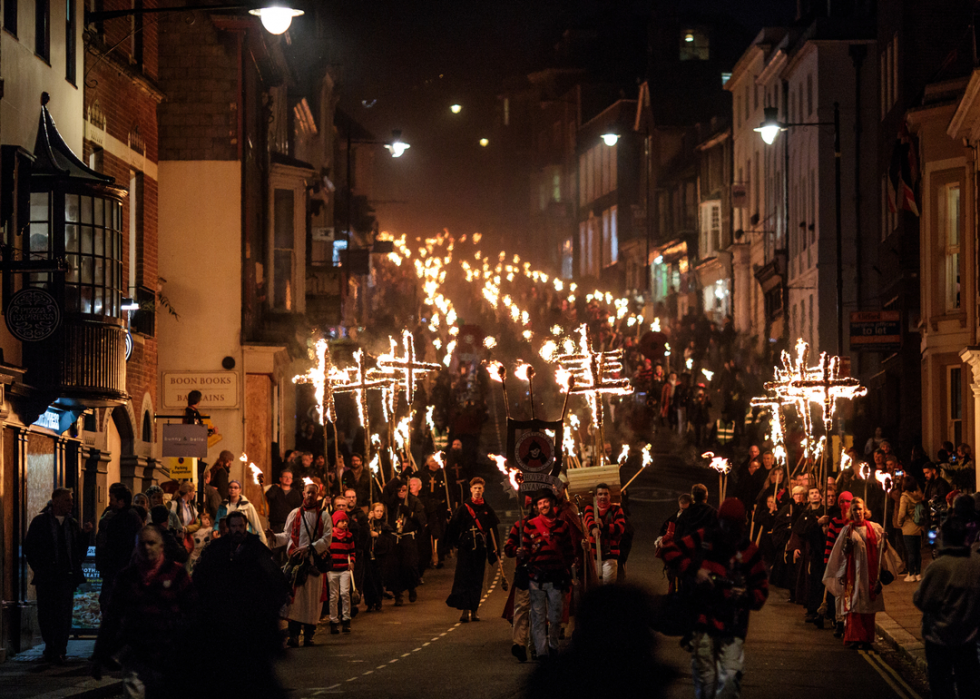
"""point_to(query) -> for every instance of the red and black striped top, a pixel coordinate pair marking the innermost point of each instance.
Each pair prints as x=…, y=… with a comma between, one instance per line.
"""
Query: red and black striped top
x=549, y=542
x=514, y=538
x=612, y=524
x=342, y=550
x=834, y=529
x=739, y=583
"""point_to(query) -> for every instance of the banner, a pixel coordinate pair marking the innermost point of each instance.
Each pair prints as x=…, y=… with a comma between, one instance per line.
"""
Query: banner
x=534, y=447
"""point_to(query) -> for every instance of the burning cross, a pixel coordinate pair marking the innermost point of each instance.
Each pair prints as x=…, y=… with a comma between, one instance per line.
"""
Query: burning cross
x=594, y=373
x=317, y=376
x=363, y=381
x=406, y=365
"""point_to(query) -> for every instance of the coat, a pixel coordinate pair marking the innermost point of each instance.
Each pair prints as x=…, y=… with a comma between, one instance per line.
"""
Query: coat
x=861, y=597
x=246, y=508
x=50, y=565
x=949, y=598
x=906, y=510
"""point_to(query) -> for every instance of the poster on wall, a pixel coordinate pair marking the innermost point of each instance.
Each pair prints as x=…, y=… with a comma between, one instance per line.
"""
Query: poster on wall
x=85, y=615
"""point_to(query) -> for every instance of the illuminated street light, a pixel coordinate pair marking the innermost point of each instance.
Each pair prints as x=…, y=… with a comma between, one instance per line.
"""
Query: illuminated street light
x=689, y=37
x=397, y=145
x=276, y=17
x=456, y=109
x=659, y=260
x=770, y=126
x=610, y=139
x=484, y=142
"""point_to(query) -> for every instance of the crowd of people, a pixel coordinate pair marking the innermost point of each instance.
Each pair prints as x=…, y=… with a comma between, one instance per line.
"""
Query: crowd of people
x=832, y=546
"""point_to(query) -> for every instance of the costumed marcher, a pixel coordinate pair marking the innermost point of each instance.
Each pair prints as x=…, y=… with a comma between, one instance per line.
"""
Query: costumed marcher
x=473, y=531
x=548, y=553
x=54, y=548
x=834, y=528
x=807, y=542
x=518, y=608
x=361, y=531
x=607, y=530
x=379, y=548
x=307, y=537
x=433, y=496
x=854, y=575
x=458, y=472
x=783, y=574
x=342, y=557
x=406, y=516
x=728, y=576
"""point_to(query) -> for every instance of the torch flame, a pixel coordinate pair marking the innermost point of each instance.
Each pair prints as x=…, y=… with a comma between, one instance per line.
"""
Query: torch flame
x=718, y=463
x=437, y=456
x=489, y=342
x=845, y=460
x=882, y=477
x=496, y=370
x=624, y=454
x=647, y=458
x=307, y=481
x=521, y=371
x=256, y=472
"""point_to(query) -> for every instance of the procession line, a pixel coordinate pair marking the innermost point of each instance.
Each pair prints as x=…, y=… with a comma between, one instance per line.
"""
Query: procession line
x=900, y=687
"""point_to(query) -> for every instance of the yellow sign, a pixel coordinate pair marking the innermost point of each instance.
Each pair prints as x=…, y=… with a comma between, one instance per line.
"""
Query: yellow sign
x=182, y=467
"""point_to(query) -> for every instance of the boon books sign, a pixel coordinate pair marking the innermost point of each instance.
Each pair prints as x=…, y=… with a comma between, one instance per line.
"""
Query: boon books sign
x=219, y=389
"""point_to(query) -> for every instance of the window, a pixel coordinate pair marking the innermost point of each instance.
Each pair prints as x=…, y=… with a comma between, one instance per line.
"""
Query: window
x=746, y=103
x=755, y=96
x=96, y=159
x=607, y=252
x=813, y=207
x=809, y=94
x=888, y=73
x=694, y=45
x=710, y=228
x=583, y=248
x=283, y=234
x=810, y=320
x=738, y=112
x=10, y=16
x=42, y=29
x=582, y=193
x=949, y=228
x=954, y=391
x=70, y=62
x=93, y=247
x=614, y=235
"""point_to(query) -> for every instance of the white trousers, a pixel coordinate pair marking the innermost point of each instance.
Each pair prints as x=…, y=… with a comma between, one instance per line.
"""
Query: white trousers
x=339, y=584
x=547, y=603
x=610, y=571
x=717, y=667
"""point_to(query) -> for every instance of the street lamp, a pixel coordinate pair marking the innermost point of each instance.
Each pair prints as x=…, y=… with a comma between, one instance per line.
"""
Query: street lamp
x=397, y=146
x=769, y=129
x=276, y=15
x=456, y=108
x=610, y=139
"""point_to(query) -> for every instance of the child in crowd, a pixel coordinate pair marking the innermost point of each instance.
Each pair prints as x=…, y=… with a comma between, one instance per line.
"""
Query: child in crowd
x=339, y=577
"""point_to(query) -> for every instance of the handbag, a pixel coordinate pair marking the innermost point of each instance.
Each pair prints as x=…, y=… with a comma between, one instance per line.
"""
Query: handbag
x=321, y=563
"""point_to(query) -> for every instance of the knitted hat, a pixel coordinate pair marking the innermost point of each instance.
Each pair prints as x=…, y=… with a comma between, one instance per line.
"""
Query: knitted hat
x=844, y=495
x=732, y=509
x=339, y=516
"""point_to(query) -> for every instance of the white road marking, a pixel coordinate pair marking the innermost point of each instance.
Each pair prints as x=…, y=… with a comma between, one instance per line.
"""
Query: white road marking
x=368, y=673
x=405, y=655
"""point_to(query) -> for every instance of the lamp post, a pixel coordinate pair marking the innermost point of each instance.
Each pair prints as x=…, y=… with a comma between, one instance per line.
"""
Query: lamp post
x=769, y=129
x=397, y=147
x=276, y=15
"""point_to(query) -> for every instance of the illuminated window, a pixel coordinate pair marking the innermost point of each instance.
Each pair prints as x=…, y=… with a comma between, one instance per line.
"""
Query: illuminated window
x=949, y=227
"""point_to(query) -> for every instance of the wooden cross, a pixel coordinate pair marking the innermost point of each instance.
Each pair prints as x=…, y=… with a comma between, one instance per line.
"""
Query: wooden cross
x=456, y=468
x=407, y=365
x=317, y=375
x=362, y=382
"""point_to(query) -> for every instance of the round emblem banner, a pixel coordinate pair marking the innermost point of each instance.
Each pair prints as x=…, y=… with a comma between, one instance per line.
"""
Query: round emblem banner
x=33, y=315
x=535, y=452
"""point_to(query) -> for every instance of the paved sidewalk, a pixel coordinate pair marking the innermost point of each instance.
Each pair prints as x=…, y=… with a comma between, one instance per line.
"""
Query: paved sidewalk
x=901, y=623
x=25, y=676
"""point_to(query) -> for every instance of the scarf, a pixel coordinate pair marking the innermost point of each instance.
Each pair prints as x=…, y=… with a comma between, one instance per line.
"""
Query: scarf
x=298, y=522
x=871, y=550
x=148, y=571
x=477, y=502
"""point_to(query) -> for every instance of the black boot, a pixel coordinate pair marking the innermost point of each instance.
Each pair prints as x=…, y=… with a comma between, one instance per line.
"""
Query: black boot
x=346, y=626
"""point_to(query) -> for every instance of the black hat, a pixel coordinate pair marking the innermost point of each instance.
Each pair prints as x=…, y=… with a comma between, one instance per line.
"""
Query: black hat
x=545, y=493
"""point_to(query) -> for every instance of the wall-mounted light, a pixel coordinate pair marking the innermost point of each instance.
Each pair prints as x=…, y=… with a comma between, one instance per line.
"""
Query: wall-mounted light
x=397, y=145
x=276, y=17
x=689, y=37
x=610, y=139
x=456, y=108
x=484, y=142
x=658, y=260
x=770, y=126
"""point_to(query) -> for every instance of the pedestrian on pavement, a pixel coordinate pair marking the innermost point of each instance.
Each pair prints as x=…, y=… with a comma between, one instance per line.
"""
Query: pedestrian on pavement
x=342, y=557
x=201, y=538
x=854, y=575
x=605, y=531
x=548, y=553
x=728, y=576
x=911, y=518
x=54, y=548
x=172, y=547
x=116, y=538
x=518, y=608
x=307, y=538
x=183, y=507
x=380, y=547
x=156, y=496
x=221, y=474
x=152, y=602
x=283, y=498
x=236, y=502
x=949, y=598
x=473, y=532
x=242, y=590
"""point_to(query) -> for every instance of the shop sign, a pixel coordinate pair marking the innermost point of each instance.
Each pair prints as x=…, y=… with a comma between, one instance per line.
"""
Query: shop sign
x=219, y=389
x=185, y=440
x=876, y=331
x=33, y=315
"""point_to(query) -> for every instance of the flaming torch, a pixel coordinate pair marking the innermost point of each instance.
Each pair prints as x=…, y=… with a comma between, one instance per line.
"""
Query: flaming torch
x=722, y=466
x=647, y=460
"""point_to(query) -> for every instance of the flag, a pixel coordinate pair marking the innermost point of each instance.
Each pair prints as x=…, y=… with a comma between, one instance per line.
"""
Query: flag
x=903, y=173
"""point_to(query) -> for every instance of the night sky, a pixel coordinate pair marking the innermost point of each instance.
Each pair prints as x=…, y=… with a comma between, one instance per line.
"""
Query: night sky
x=412, y=60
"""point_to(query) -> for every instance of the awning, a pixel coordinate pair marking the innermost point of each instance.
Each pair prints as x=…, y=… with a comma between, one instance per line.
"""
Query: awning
x=713, y=269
